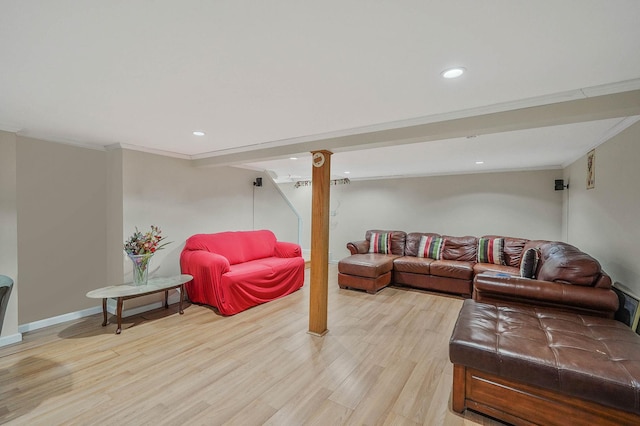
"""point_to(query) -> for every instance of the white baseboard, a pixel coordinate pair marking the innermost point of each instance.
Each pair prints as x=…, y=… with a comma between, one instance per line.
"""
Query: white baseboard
x=59, y=319
x=111, y=308
x=10, y=340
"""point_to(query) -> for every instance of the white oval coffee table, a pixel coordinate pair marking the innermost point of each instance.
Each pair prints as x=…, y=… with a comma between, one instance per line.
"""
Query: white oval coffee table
x=129, y=291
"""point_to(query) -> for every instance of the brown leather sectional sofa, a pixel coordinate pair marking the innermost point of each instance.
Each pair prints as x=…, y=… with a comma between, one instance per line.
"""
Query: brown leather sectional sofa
x=565, y=277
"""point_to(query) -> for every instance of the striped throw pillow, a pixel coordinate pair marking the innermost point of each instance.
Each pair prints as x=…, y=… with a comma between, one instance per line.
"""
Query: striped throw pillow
x=380, y=243
x=490, y=250
x=431, y=247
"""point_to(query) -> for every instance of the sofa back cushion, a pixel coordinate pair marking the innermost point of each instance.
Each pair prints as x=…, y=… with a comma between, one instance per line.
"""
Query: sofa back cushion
x=413, y=242
x=398, y=239
x=513, y=249
x=564, y=263
x=460, y=248
x=236, y=246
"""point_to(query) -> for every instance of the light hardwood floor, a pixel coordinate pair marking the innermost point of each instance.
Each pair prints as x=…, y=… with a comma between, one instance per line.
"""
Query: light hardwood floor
x=384, y=361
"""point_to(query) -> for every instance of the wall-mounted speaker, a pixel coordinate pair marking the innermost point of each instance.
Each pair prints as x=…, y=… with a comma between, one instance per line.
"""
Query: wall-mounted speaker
x=258, y=182
x=560, y=186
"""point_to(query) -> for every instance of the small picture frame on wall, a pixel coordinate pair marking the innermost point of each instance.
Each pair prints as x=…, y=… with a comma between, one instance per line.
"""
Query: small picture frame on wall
x=629, y=306
x=591, y=169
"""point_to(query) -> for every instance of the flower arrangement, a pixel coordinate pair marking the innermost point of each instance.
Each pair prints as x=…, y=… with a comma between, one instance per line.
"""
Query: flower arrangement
x=147, y=243
x=140, y=247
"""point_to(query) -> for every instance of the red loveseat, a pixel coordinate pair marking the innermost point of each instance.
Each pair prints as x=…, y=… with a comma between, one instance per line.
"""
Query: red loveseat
x=234, y=271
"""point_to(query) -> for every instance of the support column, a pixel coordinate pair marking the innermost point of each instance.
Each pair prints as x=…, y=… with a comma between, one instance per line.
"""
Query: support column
x=320, y=201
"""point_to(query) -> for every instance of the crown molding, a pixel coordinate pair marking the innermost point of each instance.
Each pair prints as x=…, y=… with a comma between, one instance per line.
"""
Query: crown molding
x=439, y=174
x=155, y=151
x=60, y=140
x=614, y=131
x=9, y=127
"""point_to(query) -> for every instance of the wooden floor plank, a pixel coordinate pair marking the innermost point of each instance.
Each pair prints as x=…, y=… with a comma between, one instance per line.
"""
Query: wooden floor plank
x=384, y=361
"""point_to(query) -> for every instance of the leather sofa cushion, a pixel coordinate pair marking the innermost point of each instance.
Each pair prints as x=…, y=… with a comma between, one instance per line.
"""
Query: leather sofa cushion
x=370, y=265
x=480, y=268
x=513, y=249
x=398, y=240
x=413, y=242
x=561, y=262
x=460, y=248
x=597, y=359
x=492, y=288
x=414, y=265
x=452, y=269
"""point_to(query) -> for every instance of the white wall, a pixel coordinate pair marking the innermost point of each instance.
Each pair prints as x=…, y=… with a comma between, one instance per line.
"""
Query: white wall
x=184, y=200
x=66, y=211
x=604, y=221
x=9, y=227
x=272, y=211
x=518, y=204
x=61, y=199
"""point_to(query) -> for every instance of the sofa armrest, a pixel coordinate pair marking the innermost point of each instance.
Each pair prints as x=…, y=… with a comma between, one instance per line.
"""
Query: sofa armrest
x=358, y=247
x=286, y=249
x=200, y=262
x=491, y=288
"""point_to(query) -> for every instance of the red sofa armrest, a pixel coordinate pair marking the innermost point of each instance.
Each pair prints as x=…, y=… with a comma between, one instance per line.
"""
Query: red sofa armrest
x=358, y=247
x=492, y=288
x=285, y=249
x=201, y=262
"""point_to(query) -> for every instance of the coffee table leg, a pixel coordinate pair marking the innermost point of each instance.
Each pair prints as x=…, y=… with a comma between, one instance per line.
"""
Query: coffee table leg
x=181, y=297
x=119, y=314
x=104, y=312
x=166, y=299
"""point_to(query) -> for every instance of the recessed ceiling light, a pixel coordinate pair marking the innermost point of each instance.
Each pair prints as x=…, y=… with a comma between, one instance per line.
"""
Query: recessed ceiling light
x=453, y=72
x=346, y=173
x=479, y=162
x=293, y=158
x=198, y=133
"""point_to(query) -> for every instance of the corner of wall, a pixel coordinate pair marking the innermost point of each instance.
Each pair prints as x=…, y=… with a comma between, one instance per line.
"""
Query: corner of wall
x=9, y=232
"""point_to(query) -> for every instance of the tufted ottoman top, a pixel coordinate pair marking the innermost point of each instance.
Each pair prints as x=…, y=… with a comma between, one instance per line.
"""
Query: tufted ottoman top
x=592, y=358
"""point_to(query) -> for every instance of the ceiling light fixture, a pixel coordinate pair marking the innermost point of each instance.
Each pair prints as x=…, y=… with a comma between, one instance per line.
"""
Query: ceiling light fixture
x=479, y=162
x=198, y=133
x=453, y=72
x=346, y=173
x=293, y=158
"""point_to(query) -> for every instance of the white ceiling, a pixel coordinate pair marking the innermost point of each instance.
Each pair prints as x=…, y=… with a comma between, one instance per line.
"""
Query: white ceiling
x=289, y=74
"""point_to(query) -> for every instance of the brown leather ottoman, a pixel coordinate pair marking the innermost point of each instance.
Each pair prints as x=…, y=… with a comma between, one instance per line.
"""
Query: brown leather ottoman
x=529, y=365
x=369, y=272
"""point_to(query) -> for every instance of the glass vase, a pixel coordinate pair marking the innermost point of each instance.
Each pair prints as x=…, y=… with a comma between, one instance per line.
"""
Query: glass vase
x=140, y=267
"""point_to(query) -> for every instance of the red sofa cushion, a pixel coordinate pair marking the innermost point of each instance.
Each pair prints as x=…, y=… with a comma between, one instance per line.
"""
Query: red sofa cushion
x=236, y=246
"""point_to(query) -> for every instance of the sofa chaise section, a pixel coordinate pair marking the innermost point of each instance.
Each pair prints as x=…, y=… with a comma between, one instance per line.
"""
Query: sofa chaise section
x=538, y=365
x=368, y=269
